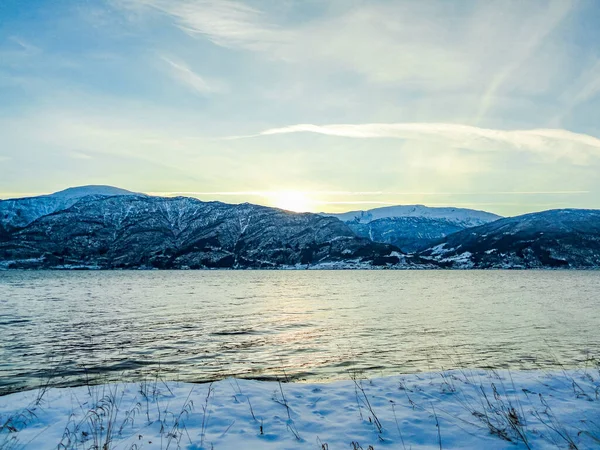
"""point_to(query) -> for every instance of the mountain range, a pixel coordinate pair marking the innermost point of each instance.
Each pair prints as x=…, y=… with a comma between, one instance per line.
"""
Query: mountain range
x=104, y=228
x=110, y=228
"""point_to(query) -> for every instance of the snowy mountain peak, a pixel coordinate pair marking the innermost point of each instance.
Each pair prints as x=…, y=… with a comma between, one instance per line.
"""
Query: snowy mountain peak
x=412, y=227
x=459, y=216
x=20, y=212
x=92, y=189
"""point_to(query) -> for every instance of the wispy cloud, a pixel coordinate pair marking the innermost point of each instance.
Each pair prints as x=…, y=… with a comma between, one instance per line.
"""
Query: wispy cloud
x=80, y=155
x=360, y=38
x=533, y=35
x=584, y=89
x=554, y=142
x=589, y=86
x=182, y=73
x=226, y=23
x=426, y=44
x=28, y=47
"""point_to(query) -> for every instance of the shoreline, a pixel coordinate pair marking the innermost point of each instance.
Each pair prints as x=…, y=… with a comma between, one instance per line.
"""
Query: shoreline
x=450, y=409
x=295, y=268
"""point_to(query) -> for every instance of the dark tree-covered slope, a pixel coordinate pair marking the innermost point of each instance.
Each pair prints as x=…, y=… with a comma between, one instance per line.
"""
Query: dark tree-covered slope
x=567, y=238
x=141, y=231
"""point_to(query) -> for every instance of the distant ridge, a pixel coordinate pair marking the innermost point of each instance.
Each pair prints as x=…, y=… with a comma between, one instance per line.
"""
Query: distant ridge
x=412, y=227
x=460, y=216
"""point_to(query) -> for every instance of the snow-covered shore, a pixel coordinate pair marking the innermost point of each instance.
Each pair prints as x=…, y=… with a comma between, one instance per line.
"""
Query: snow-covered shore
x=454, y=409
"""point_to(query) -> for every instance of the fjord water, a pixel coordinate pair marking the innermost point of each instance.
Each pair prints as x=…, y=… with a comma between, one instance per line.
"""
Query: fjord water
x=313, y=325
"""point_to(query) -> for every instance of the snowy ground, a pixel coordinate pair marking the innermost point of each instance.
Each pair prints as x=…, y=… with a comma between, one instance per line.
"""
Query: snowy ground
x=454, y=409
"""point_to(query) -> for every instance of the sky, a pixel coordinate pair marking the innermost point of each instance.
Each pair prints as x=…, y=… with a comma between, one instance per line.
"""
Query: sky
x=317, y=105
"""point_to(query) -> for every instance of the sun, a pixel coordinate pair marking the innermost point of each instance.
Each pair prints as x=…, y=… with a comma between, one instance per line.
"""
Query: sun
x=292, y=201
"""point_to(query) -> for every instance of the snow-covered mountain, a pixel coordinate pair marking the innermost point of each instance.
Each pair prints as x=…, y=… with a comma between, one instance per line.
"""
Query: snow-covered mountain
x=20, y=212
x=130, y=231
x=410, y=234
x=105, y=227
x=92, y=189
x=412, y=227
x=568, y=238
x=462, y=217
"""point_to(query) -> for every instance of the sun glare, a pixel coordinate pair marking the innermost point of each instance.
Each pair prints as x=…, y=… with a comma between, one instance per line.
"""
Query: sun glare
x=292, y=201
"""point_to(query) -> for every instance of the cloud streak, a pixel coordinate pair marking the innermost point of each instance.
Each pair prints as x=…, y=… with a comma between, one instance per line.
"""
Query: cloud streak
x=345, y=41
x=492, y=47
x=557, y=142
x=186, y=76
x=226, y=23
x=538, y=29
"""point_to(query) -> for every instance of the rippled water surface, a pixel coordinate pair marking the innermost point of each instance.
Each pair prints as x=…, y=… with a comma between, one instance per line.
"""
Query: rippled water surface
x=314, y=325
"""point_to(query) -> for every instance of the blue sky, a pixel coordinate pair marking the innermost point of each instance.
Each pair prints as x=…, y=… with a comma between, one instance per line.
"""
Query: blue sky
x=319, y=105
